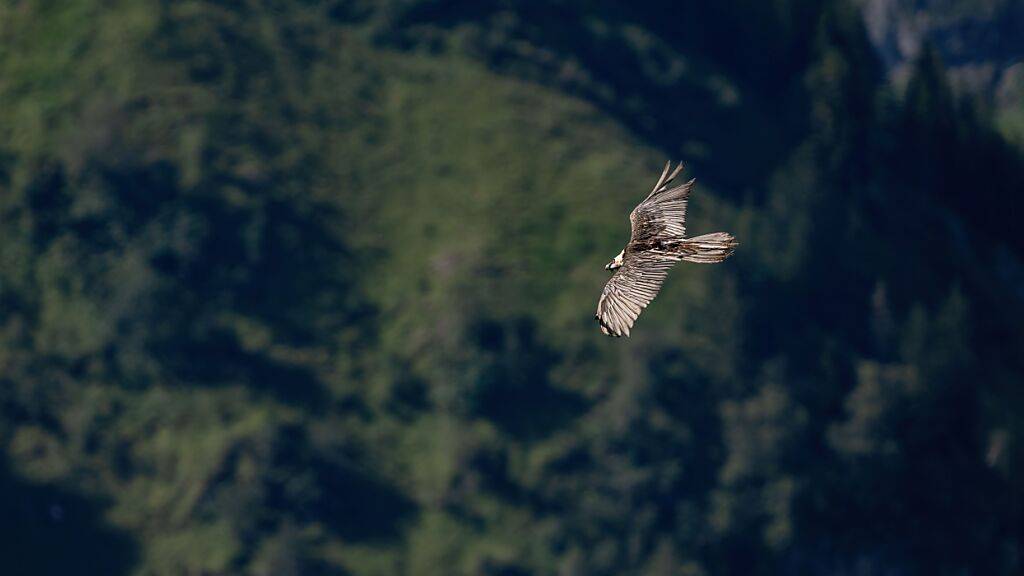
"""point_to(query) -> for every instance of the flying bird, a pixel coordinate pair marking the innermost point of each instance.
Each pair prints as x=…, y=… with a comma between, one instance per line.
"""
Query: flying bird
x=658, y=240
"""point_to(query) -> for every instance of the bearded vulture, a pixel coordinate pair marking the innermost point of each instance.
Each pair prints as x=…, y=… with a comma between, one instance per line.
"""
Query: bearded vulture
x=658, y=240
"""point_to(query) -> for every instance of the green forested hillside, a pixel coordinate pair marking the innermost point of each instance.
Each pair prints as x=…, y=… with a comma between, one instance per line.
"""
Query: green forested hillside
x=308, y=288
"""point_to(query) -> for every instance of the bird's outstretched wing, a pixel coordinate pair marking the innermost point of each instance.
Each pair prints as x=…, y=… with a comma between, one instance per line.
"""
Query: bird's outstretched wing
x=662, y=214
x=630, y=290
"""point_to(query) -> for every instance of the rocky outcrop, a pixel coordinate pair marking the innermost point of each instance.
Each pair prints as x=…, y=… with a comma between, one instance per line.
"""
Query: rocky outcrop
x=981, y=42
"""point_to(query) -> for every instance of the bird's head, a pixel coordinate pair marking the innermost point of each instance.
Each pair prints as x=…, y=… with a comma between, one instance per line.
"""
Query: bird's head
x=615, y=263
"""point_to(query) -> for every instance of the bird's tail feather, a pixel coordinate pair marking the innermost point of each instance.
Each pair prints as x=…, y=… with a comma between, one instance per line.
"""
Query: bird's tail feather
x=708, y=248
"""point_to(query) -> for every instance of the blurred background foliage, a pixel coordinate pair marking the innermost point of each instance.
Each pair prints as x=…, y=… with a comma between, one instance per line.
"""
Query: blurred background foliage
x=307, y=288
